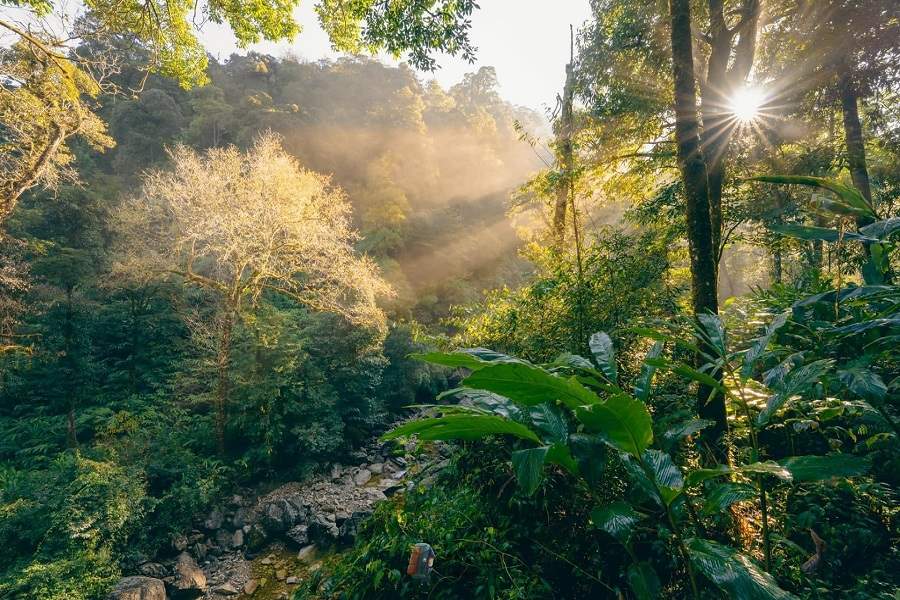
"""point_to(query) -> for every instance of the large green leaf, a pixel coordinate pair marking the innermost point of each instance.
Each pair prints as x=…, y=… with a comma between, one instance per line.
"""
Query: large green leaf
x=795, y=382
x=881, y=229
x=550, y=422
x=734, y=572
x=623, y=421
x=822, y=468
x=529, y=385
x=528, y=465
x=617, y=519
x=678, y=432
x=764, y=468
x=864, y=383
x=452, y=359
x=851, y=201
x=759, y=344
x=561, y=454
x=461, y=427
x=574, y=361
x=724, y=495
x=686, y=372
x=666, y=474
x=602, y=349
x=484, y=400
x=643, y=581
x=590, y=453
x=824, y=234
x=712, y=332
x=642, y=384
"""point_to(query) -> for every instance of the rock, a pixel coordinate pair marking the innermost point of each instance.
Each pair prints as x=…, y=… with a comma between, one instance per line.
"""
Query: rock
x=237, y=500
x=226, y=589
x=377, y=468
x=214, y=520
x=341, y=516
x=273, y=518
x=392, y=489
x=256, y=538
x=299, y=534
x=189, y=577
x=138, y=588
x=362, y=477
x=280, y=574
x=199, y=550
x=179, y=542
x=250, y=587
x=306, y=553
x=399, y=475
x=292, y=580
x=266, y=561
x=237, y=538
x=224, y=539
x=321, y=529
x=154, y=570
x=336, y=471
x=240, y=517
x=399, y=461
x=350, y=528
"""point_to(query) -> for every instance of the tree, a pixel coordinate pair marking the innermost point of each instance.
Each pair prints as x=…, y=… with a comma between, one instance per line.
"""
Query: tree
x=48, y=89
x=240, y=225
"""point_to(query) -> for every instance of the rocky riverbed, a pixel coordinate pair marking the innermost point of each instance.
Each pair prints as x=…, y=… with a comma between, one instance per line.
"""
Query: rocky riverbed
x=261, y=545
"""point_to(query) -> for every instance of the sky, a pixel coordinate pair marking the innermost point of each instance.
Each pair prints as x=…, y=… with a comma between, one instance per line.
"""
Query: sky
x=527, y=41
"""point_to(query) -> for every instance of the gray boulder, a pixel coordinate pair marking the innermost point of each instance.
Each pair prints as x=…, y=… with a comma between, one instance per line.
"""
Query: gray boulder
x=321, y=529
x=350, y=528
x=138, y=588
x=362, y=477
x=190, y=581
x=299, y=534
x=153, y=569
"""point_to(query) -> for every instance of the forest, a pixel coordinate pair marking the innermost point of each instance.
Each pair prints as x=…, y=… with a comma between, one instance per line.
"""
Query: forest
x=281, y=328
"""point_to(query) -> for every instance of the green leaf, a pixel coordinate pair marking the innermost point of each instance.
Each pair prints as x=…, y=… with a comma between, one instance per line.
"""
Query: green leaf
x=851, y=200
x=824, y=234
x=616, y=519
x=643, y=581
x=666, y=474
x=823, y=468
x=574, y=361
x=796, y=381
x=881, y=229
x=451, y=359
x=644, y=381
x=759, y=344
x=687, y=372
x=529, y=385
x=590, y=453
x=560, y=454
x=550, y=421
x=712, y=332
x=724, y=495
x=461, y=427
x=864, y=383
x=483, y=400
x=528, y=465
x=734, y=572
x=623, y=421
x=680, y=431
x=765, y=468
x=602, y=349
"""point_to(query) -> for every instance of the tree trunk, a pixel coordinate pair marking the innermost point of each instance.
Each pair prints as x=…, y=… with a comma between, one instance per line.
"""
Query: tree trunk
x=566, y=157
x=223, y=368
x=856, y=150
x=694, y=177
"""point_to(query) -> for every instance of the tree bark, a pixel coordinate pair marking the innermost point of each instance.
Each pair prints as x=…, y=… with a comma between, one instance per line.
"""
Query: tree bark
x=566, y=157
x=30, y=178
x=696, y=191
x=856, y=149
x=223, y=368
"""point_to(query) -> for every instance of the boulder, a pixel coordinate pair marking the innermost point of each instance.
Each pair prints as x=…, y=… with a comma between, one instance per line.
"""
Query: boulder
x=190, y=580
x=153, y=569
x=350, y=529
x=280, y=574
x=237, y=538
x=226, y=589
x=321, y=529
x=273, y=518
x=299, y=534
x=362, y=477
x=256, y=537
x=138, y=588
x=377, y=468
x=292, y=580
x=224, y=539
x=250, y=586
x=214, y=519
x=306, y=553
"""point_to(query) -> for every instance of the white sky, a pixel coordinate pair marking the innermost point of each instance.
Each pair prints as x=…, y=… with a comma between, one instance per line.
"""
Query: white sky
x=527, y=41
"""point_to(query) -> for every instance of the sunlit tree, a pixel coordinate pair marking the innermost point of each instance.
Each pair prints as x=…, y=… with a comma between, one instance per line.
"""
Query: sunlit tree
x=241, y=225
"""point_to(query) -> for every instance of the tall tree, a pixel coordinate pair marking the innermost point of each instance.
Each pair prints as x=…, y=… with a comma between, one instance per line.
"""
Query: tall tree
x=241, y=225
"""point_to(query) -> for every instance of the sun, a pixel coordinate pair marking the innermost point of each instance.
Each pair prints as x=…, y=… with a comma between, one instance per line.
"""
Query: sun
x=746, y=103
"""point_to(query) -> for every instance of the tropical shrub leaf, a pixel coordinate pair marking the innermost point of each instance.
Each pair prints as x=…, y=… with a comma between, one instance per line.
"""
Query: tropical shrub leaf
x=623, y=422
x=734, y=572
x=602, y=349
x=678, y=432
x=851, y=201
x=462, y=427
x=642, y=384
x=643, y=581
x=759, y=344
x=881, y=229
x=724, y=495
x=590, y=453
x=528, y=465
x=667, y=476
x=793, y=383
x=549, y=421
x=686, y=372
x=864, y=383
x=451, y=359
x=822, y=468
x=804, y=232
x=529, y=385
x=617, y=519
x=712, y=332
